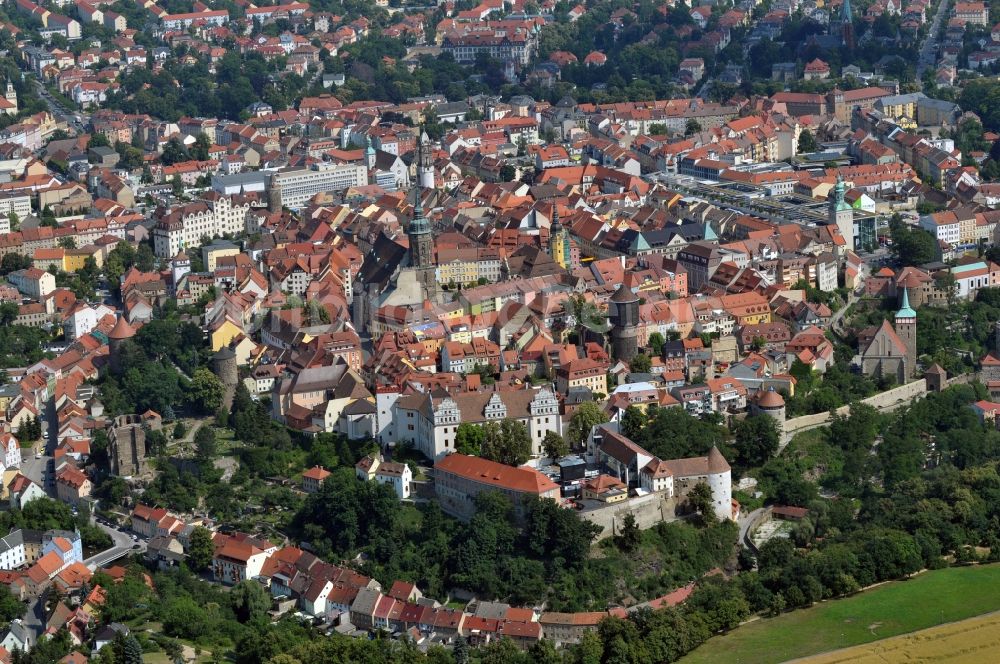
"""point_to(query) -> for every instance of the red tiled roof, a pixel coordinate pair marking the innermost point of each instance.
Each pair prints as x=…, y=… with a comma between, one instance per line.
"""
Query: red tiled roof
x=674, y=598
x=317, y=473
x=524, y=479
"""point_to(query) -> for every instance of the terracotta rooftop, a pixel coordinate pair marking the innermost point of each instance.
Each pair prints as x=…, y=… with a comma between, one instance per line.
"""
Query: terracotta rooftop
x=523, y=479
x=121, y=330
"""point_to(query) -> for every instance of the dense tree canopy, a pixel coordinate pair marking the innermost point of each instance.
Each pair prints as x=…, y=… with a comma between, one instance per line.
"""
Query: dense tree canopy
x=982, y=97
x=911, y=245
x=494, y=554
x=507, y=441
x=554, y=446
x=673, y=433
x=757, y=438
x=205, y=392
x=586, y=416
x=469, y=438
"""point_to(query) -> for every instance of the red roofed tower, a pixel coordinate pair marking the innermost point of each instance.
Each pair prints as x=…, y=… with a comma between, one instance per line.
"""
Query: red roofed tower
x=121, y=332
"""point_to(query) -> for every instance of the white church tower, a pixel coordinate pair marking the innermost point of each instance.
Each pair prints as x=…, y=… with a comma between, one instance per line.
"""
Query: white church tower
x=11, y=96
x=425, y=163
x=180, y=265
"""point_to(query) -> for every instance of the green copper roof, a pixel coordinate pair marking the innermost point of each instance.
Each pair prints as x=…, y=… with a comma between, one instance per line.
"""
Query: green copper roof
x=640, y=243
x=905, y=311
x=419, y=225
x=837, y=202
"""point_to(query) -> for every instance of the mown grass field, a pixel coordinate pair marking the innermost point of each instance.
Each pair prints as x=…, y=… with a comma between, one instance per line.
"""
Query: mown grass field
x=965, y=642
x=900, y=607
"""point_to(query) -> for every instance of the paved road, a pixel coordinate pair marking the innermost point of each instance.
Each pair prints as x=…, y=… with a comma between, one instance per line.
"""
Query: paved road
x=748, y=521
x=122, y=548
x=927, y=56
x=35, y=470
x=58, y=110
x=839, y=314
x=34, y=617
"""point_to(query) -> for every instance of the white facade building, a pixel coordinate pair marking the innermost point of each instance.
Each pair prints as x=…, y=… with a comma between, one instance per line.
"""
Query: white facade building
x=943, y=226
x=431, y=423
x=185, y=226
x=299, y=185
x=82, y=319
x=12, y=551
x=624, y=459
x=397, y=475
x=11, y=451
x=19, y=204
x=184, y=21
x=32, y=282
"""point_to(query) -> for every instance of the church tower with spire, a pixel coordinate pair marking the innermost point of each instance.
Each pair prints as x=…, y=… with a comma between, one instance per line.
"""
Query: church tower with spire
x=421, y=238
x=559, y=247
x=370, y=157
x=906, y=330
x=840, y=213
x=847, y=25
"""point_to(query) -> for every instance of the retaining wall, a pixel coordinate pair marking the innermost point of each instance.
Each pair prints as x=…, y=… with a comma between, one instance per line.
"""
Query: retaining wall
x=884, y=401
x=647, y=510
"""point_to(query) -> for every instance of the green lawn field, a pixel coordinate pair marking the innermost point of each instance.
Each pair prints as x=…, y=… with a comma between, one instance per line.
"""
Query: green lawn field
x=897, y=608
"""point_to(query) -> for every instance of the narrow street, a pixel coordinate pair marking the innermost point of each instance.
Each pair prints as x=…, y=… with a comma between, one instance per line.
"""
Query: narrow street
x=59, y=111
x=928, y=57
x=34, y=618
x=838, y=316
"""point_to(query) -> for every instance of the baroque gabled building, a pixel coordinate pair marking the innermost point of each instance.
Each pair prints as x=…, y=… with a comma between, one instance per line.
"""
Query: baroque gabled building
x=430, y=423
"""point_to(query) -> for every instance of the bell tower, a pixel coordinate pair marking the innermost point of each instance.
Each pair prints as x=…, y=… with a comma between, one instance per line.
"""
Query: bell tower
x=906, y=330
x=840, y=213
x=421, y=238
x=559, y=247
x=11, y=94
x=425, y=163
x=369, y=156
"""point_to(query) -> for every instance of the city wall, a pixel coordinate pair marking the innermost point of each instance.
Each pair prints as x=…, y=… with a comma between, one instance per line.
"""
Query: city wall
x=883, y=401
x=647, y=510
